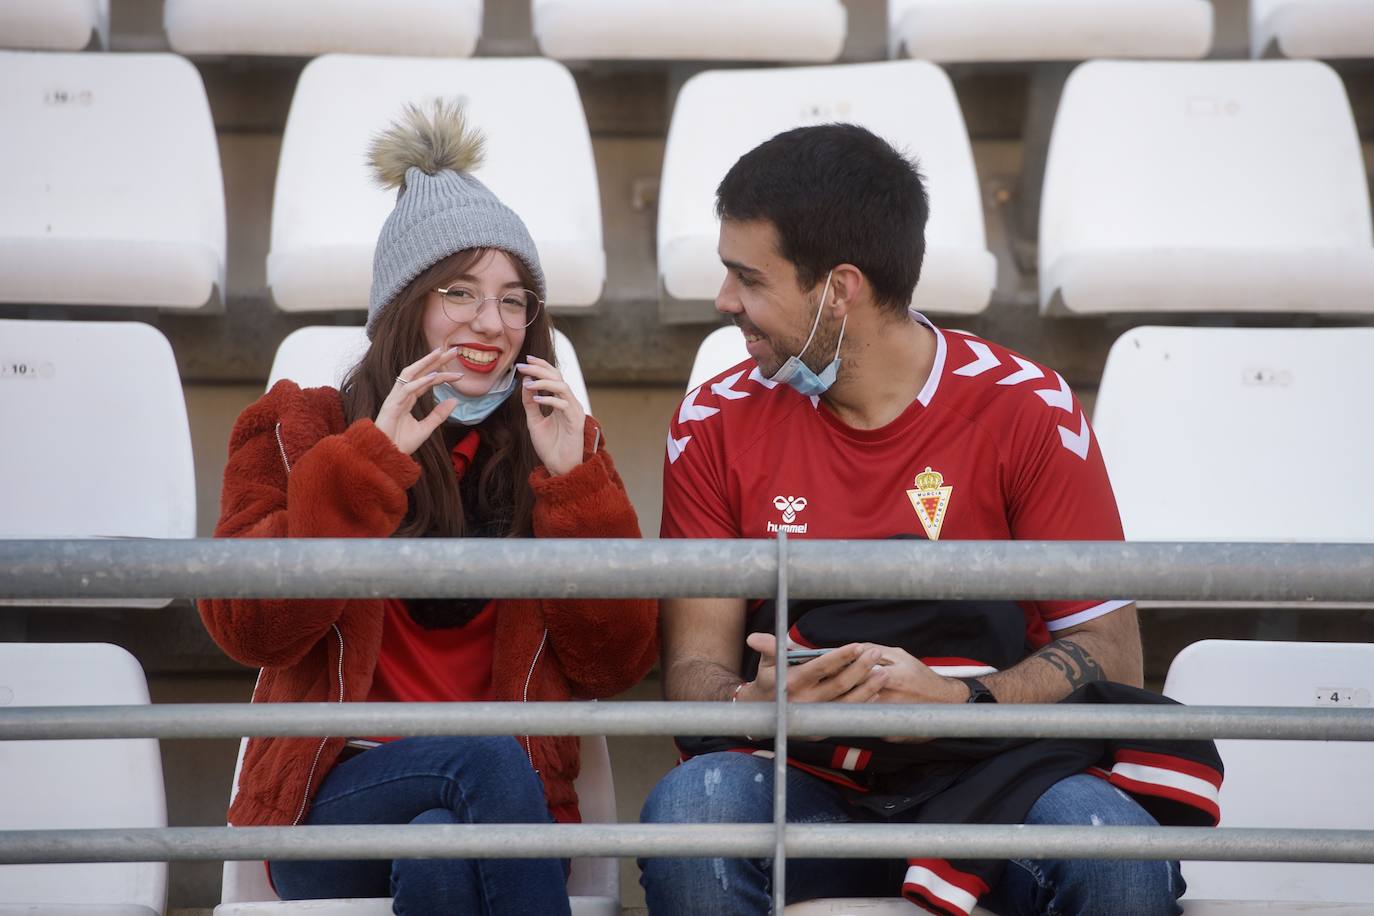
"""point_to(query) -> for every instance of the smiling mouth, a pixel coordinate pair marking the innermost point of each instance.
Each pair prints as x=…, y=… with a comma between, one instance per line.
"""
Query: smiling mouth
x=478, y=360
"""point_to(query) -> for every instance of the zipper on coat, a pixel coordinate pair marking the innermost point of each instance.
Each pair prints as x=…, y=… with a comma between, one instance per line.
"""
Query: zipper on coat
x=525, y=697
x=282, y=447
x=319, y=751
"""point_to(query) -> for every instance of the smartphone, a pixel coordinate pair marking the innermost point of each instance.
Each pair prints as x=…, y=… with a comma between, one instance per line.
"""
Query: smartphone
x=797, y=656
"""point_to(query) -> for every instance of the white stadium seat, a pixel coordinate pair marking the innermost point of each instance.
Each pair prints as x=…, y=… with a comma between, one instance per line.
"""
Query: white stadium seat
x=1240, y=434
x=1312, y=28
x=54, y=25
x=1217, y=186
x=1284, y=784
x=96, y=440
x=322, y=355
x=593, y=885
x=304, y=28
x=721, y=115
x=753, y=30
x=328, y=210
x=1016, y=30
x=110, y=177
x=79, y=785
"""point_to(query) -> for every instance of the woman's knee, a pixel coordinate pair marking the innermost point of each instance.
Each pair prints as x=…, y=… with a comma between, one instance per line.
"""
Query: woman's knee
x=725, y=787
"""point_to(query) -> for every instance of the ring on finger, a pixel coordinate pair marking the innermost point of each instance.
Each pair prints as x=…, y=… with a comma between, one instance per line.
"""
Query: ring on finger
x=402, y=381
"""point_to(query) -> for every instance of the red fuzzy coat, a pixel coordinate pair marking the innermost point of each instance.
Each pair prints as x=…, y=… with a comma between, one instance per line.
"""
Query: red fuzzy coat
x=351, y=481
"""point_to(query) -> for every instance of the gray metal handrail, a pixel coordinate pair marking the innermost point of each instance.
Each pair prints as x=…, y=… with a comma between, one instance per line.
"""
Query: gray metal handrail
x=353, y=568
x=232, y=720
x=572, y=568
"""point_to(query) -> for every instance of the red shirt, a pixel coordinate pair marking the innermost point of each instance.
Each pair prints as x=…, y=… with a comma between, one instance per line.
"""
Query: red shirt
x=994, y=447
x=433, y=666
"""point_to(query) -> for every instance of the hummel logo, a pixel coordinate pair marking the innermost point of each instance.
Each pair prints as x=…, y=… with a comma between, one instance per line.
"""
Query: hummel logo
x=789, y=506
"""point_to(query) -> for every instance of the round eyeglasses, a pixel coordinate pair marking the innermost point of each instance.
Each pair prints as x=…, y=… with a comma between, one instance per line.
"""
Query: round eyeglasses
x=517, y=308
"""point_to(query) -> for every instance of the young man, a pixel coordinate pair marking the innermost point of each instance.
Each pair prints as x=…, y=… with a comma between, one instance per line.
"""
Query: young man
x=857, y=418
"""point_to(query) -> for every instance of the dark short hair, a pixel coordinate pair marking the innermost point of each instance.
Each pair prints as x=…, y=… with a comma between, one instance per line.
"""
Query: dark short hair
x=836, y=194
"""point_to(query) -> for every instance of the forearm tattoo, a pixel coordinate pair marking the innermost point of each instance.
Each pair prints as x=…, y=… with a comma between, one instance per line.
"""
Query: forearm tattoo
x=1072, y=661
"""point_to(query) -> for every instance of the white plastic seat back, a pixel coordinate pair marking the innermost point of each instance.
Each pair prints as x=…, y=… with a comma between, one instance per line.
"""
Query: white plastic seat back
x=721, y=115
x=593, y=885
x=54, y=25
x=304, y=28
x=781, y=30
x=96, y=438
x=722, y=348
x=322, y=355
x=78, y=785
x=1000, y=30
x=1312, y=28
x=1286, y=784
x=1240, y=434
x=328, y=211
x=1218, y=186
x=109, y=170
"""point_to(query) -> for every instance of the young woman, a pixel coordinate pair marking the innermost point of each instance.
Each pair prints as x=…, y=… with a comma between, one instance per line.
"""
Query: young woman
x=456, y=423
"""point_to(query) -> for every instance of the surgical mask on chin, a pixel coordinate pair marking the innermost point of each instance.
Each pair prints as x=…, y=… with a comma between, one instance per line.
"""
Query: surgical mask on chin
x=473, y=410
x=797, y=374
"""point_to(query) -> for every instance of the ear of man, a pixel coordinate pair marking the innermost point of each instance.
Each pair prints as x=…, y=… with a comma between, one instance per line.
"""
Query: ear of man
x=848, y=287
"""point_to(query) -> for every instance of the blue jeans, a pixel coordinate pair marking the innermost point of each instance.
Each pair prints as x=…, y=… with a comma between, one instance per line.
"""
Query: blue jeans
x=730, y=787
x=453, y=780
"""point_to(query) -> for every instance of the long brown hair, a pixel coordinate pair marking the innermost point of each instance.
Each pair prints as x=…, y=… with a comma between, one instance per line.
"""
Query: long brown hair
x=398, y=339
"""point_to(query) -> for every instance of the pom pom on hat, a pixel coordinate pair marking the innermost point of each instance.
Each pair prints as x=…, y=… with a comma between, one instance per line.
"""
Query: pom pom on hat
x=432, y=142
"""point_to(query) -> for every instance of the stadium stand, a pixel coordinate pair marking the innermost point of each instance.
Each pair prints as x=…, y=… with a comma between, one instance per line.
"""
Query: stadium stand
x=322, y=355
x=1311, y=28
x=750, y=30
x=720, y=115
x=109, y=162
x=304, y=28
x=1016, y=30
x=1297, y=784
x=66, y=785
x=54, y=25
x=118, y=384
x=593, y=884
x=1217, y=186
x=1239, y=434
x=327, y=210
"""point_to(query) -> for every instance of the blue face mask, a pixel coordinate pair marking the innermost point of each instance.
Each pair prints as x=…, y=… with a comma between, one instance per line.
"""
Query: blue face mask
x=798, y=374
x=473, y=410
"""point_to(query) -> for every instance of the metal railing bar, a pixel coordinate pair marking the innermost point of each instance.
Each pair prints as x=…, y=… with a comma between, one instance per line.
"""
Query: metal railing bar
x=232, y=720
x=436, y=567
x=690, y=840
x=781, y=624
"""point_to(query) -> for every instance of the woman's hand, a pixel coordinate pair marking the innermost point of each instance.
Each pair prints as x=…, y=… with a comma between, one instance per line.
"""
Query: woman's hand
x=557, y=437
x=394, y=418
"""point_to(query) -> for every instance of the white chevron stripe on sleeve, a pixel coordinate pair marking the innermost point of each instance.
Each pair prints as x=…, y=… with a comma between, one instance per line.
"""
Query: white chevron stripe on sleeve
x=691, y=410
x=1063, y=398
x=983, y=363
x=1029, y=372
x=1077, y=442
x=676, y=447
x=757, y=376
x=725, y=387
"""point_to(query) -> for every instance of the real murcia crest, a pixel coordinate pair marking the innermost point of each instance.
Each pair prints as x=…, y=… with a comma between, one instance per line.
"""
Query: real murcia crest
x=930, y=499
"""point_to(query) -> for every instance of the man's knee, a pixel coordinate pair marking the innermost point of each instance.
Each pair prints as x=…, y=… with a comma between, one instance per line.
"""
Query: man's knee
x=726, y=787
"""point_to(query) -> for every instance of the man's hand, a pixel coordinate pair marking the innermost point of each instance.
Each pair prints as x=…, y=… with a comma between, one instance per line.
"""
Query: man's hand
x=849, y=674
x=911, y=681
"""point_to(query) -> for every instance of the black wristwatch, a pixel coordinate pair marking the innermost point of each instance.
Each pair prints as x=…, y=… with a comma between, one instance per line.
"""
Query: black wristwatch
x=978, y=692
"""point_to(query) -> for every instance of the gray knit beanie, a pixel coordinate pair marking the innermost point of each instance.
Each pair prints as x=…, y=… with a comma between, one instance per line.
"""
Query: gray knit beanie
x=440, y=208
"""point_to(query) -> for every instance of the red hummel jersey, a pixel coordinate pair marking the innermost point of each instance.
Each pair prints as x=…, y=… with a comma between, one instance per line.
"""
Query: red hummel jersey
x=994, y=447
